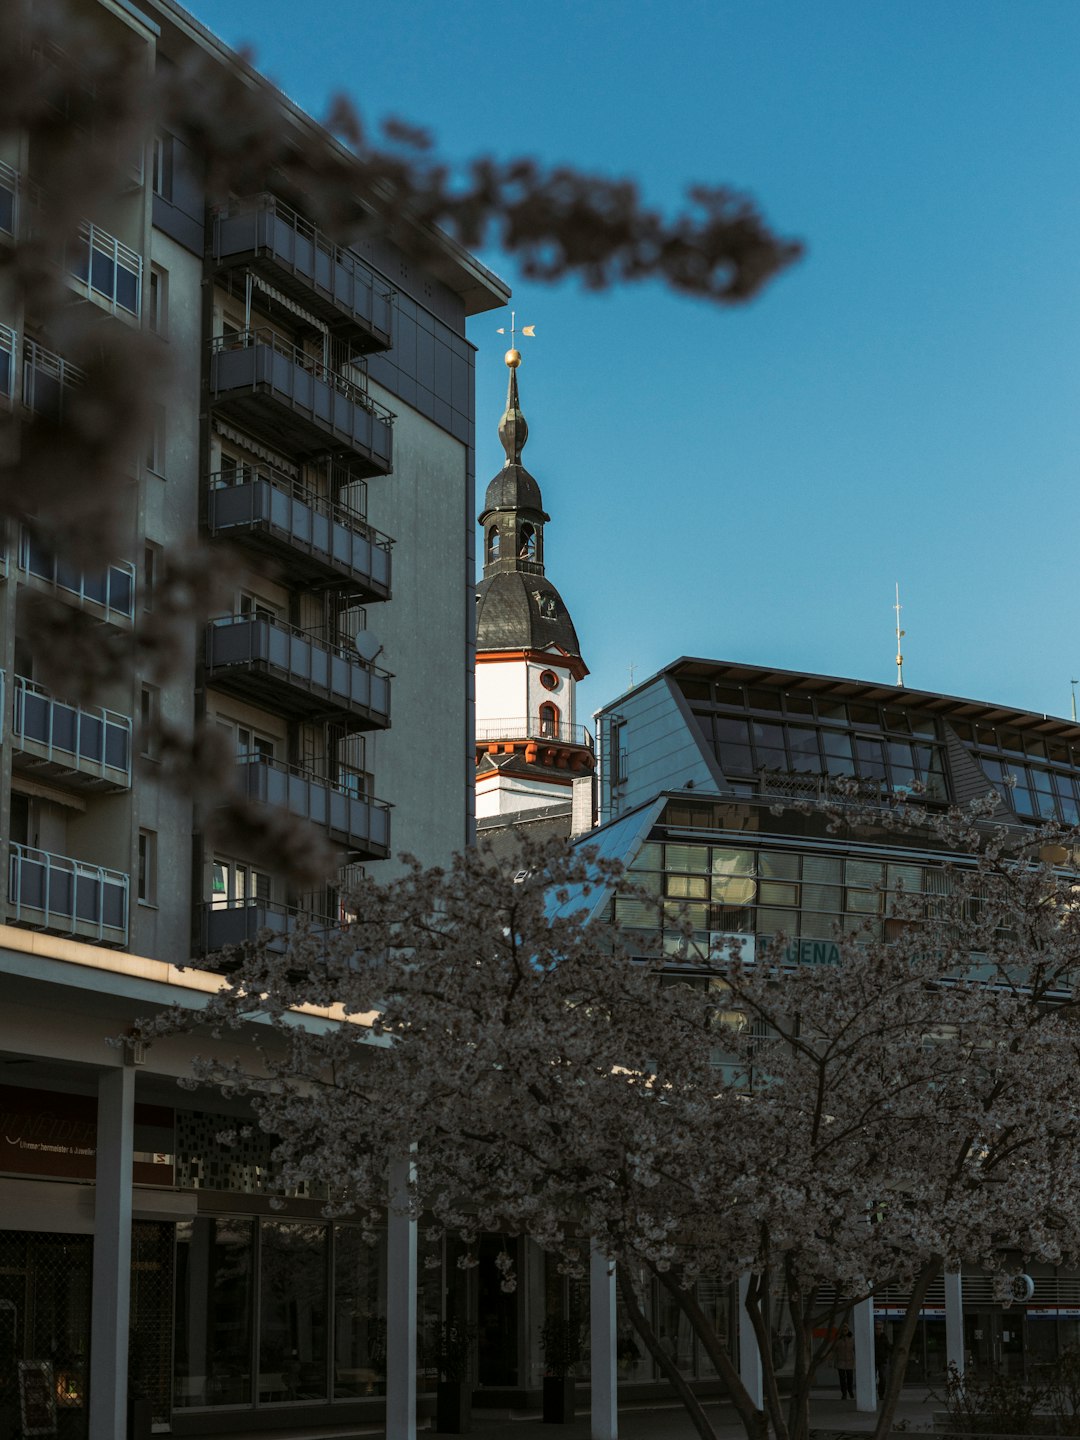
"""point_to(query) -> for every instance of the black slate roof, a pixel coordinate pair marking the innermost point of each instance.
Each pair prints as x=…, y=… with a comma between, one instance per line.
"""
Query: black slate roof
x=515, y=611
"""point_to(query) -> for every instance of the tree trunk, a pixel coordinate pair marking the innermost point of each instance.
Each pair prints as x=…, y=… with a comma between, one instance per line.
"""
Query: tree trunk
x=898, y=1362
x=756, y=1292
x=755, y=1421
x=667, y=1366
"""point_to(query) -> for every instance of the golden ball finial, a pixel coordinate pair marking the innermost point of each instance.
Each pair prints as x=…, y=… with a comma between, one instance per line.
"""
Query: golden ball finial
x=513, y=358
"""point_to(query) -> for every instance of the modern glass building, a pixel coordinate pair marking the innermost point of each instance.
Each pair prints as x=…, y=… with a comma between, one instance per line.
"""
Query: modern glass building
x=720, y=785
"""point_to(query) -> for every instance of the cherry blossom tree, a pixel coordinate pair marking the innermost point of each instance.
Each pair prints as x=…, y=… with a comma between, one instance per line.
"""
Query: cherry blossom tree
x=825, y=1131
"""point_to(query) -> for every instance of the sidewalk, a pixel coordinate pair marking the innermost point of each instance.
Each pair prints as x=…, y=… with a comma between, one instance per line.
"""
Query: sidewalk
x=664, y=1420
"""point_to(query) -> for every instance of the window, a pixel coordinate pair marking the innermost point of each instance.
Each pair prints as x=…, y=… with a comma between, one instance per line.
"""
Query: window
x=255, y=606
x=549, y=720
x=155, y=441
x=234, y=883
x=149, y=721
x=151, y=578
x=549, y=680
x=162, y=167
x=147, y=879
x=527, y=542
x=157, y=316
x=250, y=744
x=7, y=361
x=493, y=544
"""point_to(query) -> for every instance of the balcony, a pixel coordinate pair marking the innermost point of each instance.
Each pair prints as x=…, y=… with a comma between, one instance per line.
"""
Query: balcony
x=106, y=271
x=526, y=729
x=48, y=380
x=324, y=543
x=9, y=201
x=90, y=749
x=233, y=922
x=294, y=673
x=343, y=810
x=297, y=402
x=108, y=593
x=543, y=741
x=66, y=896
x=270, y=238
x=7, y=363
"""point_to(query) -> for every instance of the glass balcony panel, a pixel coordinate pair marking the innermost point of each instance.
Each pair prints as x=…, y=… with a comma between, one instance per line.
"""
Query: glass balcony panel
x=360, y=823
x=9, y=196
x=295, y=671
x=94, y=745
x=298, y=401
x=58, y=893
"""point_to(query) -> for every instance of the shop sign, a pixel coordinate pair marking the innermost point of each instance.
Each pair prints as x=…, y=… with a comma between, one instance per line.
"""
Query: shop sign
x=37, y=1397
x=722, y=944
x=812, y=952
x=43, y=1132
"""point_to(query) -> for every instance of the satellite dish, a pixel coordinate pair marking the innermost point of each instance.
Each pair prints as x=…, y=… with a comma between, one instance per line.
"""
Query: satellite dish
x=367, y=645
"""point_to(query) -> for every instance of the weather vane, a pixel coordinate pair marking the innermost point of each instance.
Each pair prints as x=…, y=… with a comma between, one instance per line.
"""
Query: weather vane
x=526, y=330
x=899, y=636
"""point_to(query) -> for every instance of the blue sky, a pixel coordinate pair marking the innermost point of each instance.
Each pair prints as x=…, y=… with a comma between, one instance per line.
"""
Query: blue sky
x=902, y=405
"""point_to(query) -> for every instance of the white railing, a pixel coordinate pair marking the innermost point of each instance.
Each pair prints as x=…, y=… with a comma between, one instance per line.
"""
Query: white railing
x=47, y=377
x=110, y=270
x=8, y=340
x=9, y=200
x=55, y=892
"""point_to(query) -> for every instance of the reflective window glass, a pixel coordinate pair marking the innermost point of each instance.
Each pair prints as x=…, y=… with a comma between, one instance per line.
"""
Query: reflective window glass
x=826, y=869
x=293, y=1311
x=830, y=713
x=865, y=715
x=798, y=705
x=803, y=743
x=732, y=862
x=764, y=699
x=778, y=866
x=869, y=757
x=359, y=1314
x=688, y=887
x=778, y=892
x=214, y=1295
x=686, y=857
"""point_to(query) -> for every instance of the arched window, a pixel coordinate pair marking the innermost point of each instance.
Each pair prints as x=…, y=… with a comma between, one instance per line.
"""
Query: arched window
x=527, y=542
x=549, y=720
x=493, y=543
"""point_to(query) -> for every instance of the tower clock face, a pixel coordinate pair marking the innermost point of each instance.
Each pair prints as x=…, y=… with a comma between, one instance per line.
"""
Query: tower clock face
x=549, y=680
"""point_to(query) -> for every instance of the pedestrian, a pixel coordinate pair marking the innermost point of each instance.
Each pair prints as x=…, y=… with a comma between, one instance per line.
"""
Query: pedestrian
x=882, y=1356
x=843, y=1350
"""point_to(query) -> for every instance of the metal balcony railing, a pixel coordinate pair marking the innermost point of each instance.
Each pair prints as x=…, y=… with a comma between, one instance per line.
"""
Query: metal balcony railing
x=260, y=503
x=8, y=341
x=110, y=270
x=294, y=671
x=95, y=743
x=518, y=728
x=112, y=589
x=232, y=922
x=47, y=379
x=9, y=200
x=297, y=399
x=342, y=808
x=70, y=897
x=328, y=279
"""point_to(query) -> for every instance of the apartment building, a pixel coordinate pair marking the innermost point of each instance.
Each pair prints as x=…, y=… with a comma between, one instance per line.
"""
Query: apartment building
x=318, y=430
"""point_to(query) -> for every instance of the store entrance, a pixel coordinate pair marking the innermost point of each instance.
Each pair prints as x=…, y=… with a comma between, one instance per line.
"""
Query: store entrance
x=994, y=1342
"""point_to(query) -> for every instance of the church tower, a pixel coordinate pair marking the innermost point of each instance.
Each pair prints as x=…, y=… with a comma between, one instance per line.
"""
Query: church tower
x=529, y=745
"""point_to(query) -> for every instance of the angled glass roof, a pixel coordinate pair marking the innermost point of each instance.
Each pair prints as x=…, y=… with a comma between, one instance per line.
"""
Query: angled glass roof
x=619, y=840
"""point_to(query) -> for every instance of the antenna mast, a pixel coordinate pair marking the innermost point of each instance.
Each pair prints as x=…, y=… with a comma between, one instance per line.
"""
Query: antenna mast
x=899, y=636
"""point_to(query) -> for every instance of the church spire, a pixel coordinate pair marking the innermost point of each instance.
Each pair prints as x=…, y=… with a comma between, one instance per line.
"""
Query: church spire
x=513, y=428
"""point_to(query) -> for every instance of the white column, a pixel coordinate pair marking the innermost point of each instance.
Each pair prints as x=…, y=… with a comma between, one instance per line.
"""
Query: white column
x=954, y=1322
x=401, y=1281
x=111, y=1302
x=862, y=1323
x=603, y=1348
x=749, y=1355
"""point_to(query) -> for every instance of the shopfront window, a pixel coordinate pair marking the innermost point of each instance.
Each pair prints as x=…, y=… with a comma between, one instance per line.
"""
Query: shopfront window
x=359, y=1315
x=292, y=1311
x=214, y=1311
